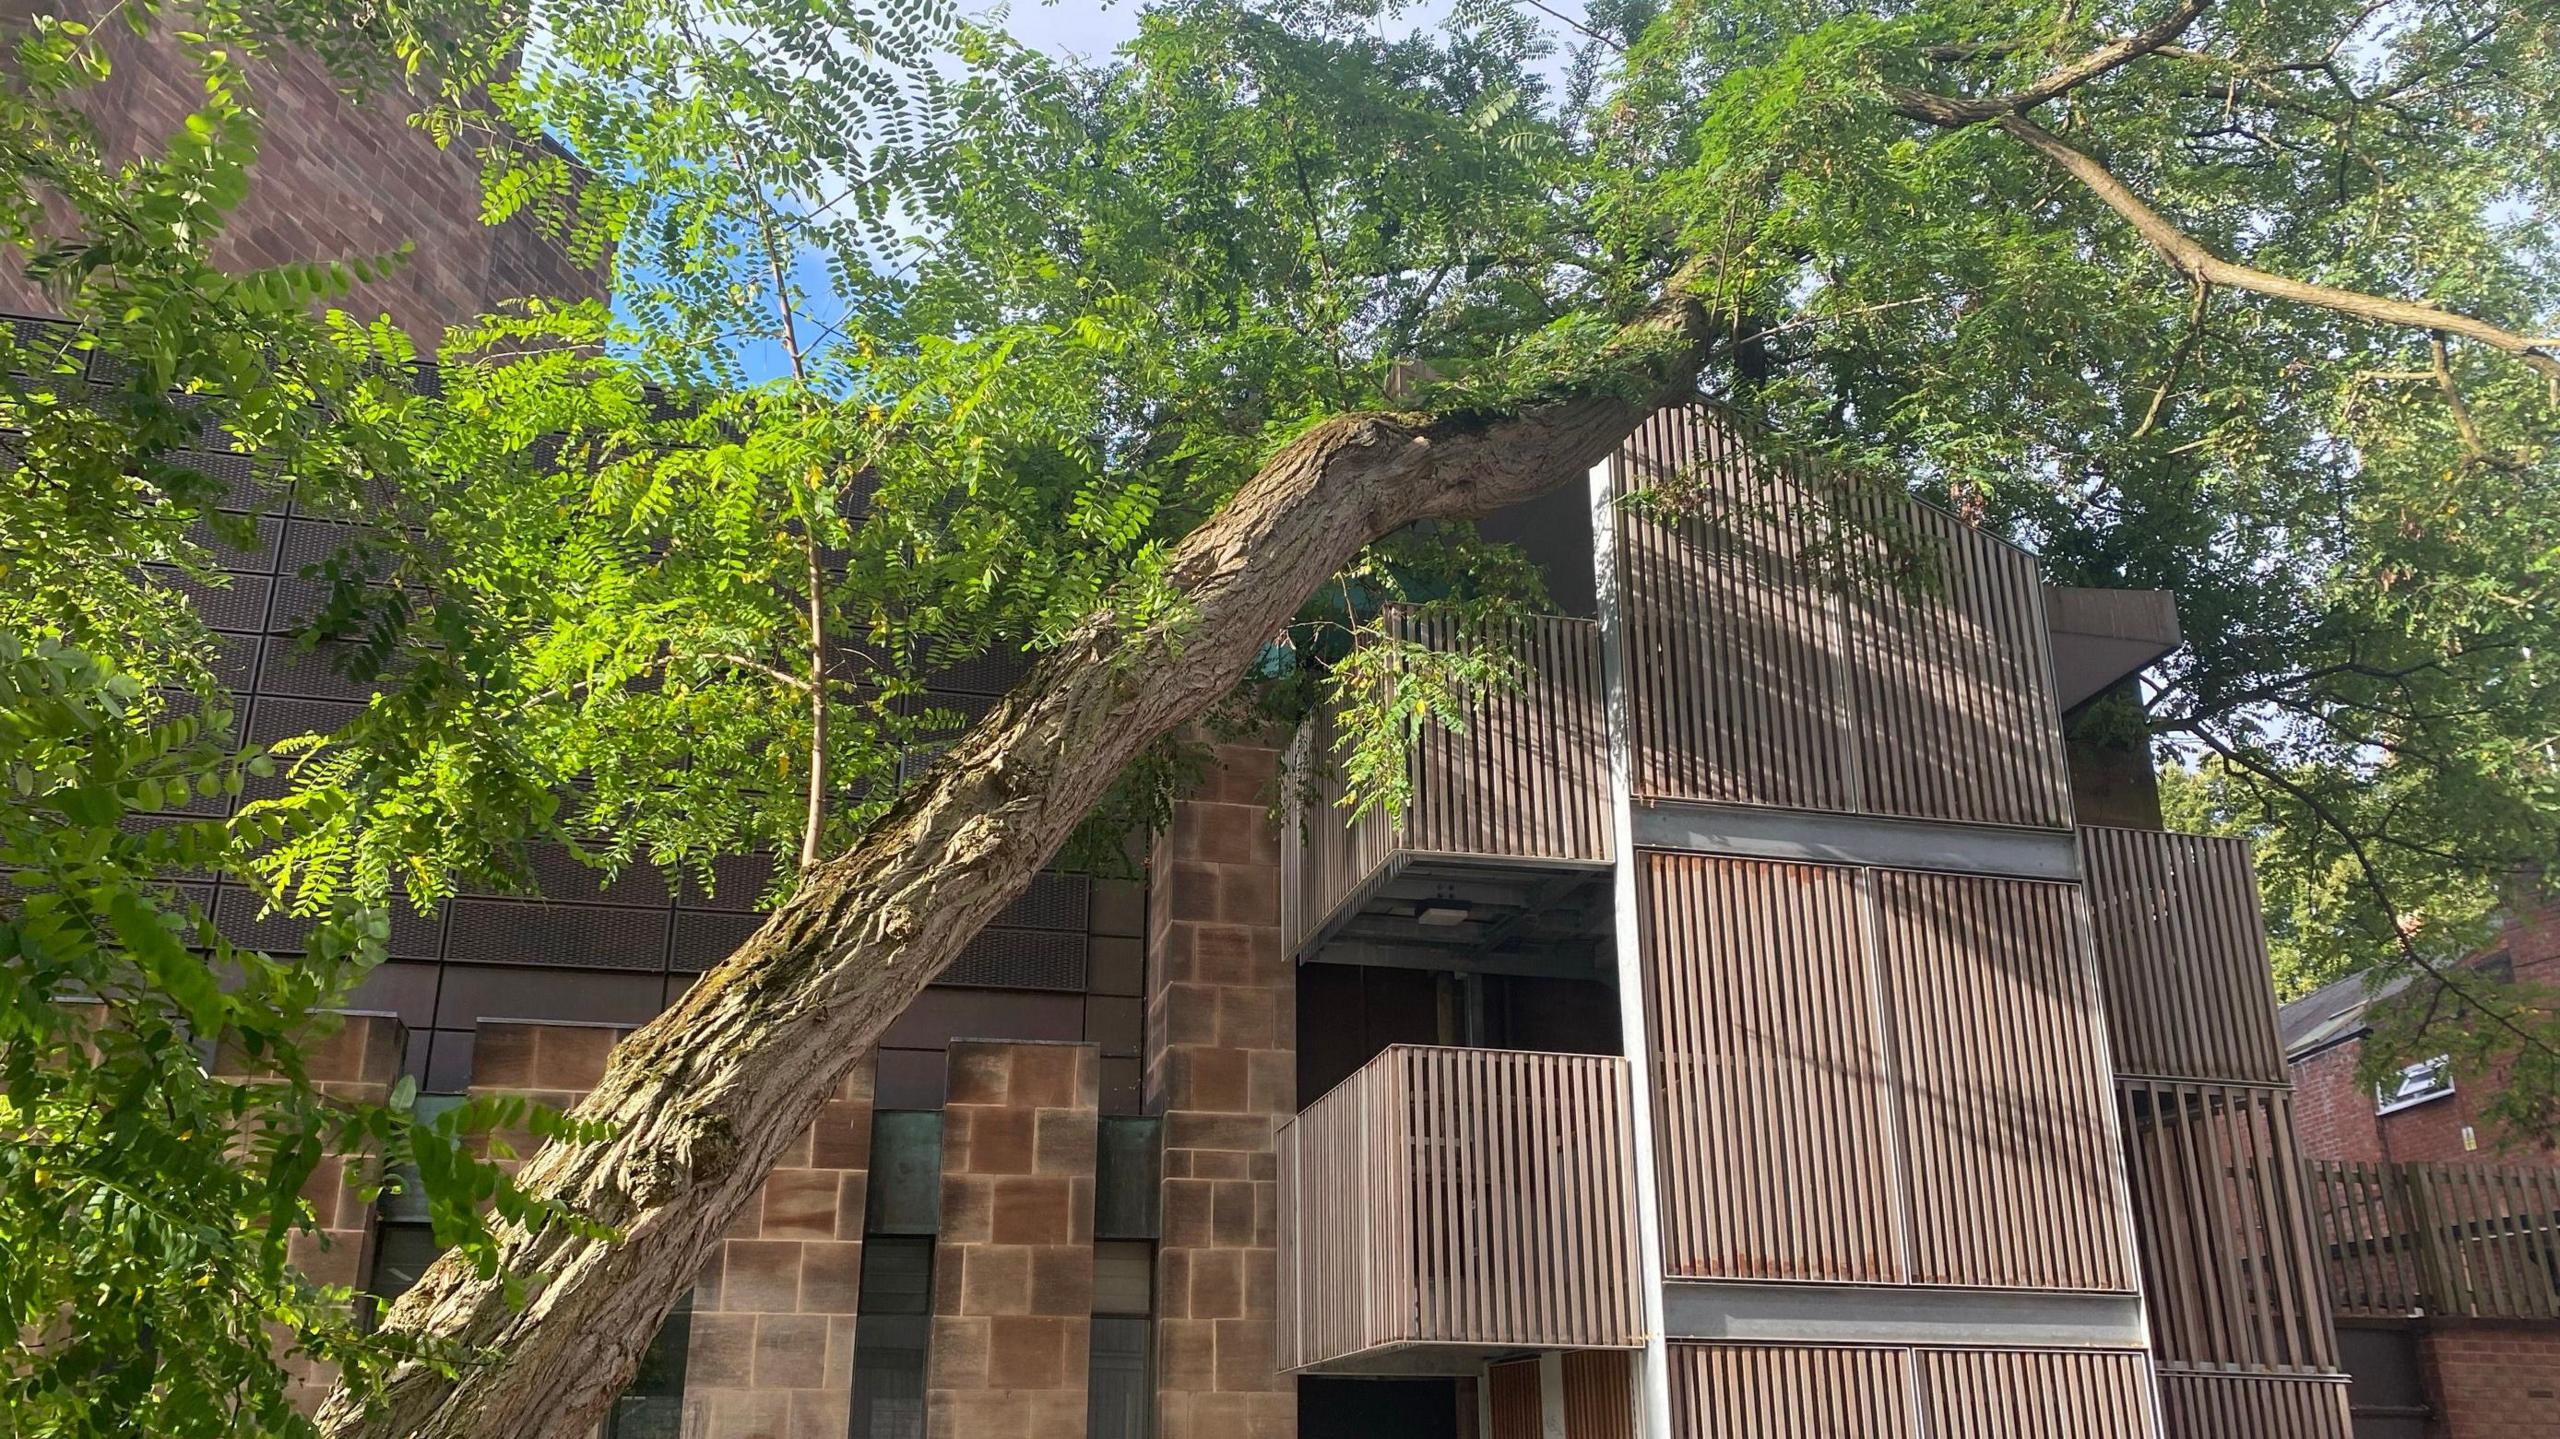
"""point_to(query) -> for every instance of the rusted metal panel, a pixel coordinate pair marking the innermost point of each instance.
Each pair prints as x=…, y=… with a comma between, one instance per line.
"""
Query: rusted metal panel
x=1599, y=1394
x=2183, y=953
x=2473, y=1241
x=1460, y=1197
x=2227, y=1242
x=1526, y=779
x=2253, y=1406
x=2028, y=1394
x=1776, y=1119
x=2010, y=1158
x=1802, y=1391
x=1756, y=677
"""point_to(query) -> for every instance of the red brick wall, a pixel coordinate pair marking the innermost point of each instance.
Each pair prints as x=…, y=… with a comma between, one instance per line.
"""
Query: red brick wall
x=2493, y=1381
x=2336, y=1110
x=333, y=181
x=1222, y=1068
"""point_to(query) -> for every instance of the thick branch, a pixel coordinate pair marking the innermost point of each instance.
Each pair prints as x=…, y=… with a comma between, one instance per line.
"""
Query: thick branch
x=1953, y=111
x=2204, y=267
x=704, y=1098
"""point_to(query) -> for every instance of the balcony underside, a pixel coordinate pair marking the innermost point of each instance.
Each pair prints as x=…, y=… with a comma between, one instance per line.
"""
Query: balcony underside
x=1484, y=914
x=1420, y=1361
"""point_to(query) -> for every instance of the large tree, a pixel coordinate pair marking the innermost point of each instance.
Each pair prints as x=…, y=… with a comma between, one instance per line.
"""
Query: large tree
x=1093, y=364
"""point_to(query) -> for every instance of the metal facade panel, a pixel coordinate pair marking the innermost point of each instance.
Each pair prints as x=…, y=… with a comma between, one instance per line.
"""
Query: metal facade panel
x=2011, y=1164
x=1459, y=1197
x=1756, y=678
x=1775, y=1118
x=1526, y=779
x=2247, y=1406
x=2182, y=951
x=2227, y=1246
x=1801, y=1391
x=1733, y=675
x=1880, y=1076
x=2035, y=1394
x=1514, y=1402
x=1599, y=1395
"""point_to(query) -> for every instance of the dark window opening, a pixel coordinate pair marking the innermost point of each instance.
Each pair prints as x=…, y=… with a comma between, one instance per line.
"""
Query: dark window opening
x=1119, y=1392
x=891, y=1336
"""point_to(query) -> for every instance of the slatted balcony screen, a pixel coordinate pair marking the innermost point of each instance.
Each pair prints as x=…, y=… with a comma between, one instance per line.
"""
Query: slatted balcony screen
x=2183, y=954
x=1527, y=779
x=1460, y=1197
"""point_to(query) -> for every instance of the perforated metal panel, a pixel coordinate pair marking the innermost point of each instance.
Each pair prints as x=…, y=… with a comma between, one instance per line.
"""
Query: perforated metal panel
x=1020, y=959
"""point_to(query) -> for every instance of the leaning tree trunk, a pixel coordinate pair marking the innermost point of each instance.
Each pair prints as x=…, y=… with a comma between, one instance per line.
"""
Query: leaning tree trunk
x=704, y=1098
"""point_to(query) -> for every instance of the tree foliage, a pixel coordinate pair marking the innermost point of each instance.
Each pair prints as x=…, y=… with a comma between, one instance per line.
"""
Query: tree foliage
x=928, y=348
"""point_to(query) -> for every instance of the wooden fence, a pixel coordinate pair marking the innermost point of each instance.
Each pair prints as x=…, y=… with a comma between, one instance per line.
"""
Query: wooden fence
x=1526, y=779
x=2473, y=1241
x=1459, y=1197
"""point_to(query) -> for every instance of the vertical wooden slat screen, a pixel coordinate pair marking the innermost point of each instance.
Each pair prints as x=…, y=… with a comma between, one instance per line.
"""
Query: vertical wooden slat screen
x=2252, y=1406
x=2183, y=954
x=1599, y=1395
x=1754, y=679
x=1775, y=1121
x=2035, y=1394
x=2013, y=1174
x=1526, y=779
x=2472, y=1241
x=1803, y=1392
x=1513, y=1402
x=1460, y=1197
x=2228, y=1246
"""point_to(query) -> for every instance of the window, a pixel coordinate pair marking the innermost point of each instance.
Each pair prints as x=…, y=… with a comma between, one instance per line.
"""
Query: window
x=890, y=1337
x=2420, y=1083
x=1119, y=1391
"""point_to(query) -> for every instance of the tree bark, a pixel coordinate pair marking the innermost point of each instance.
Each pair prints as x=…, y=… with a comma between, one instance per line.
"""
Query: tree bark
x=705, y=1097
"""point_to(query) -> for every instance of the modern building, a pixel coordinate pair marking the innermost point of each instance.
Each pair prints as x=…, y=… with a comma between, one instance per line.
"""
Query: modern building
x=2444, y=1229
x=1742, y=1033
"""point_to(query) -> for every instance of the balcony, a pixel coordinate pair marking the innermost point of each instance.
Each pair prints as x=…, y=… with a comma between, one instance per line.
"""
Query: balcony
x=1443, y=1207
x=1500, y=861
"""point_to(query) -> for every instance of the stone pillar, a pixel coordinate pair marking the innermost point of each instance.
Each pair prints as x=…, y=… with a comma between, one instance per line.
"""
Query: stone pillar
x=770, y=1355
x=769, y=1348
x=1222, y=1069
x=358, y=1063
x=1013, y=1265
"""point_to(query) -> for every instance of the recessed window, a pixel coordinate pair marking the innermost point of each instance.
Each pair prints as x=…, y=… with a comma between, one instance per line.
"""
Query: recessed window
x=891, y=1337
x=2420, y=1083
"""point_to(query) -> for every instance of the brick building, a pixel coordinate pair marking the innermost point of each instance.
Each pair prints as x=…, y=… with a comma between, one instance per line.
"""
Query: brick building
x=1741, y=1033
x=2442, y=1343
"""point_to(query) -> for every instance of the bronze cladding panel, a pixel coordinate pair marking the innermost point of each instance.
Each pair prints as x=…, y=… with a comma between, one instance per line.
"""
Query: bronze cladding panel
x=1514, y=1401
x=1527, y=778
x=2249, y=1406
x=1460, y=1197
x=2227, y=1247
x=1776, y=1121
x=2182, y=951
x=1818, y=1392
x=2012, y=1170
x=1754, y=678
x=2014, y=1394
x=1878, y=1076
x=1599, y=1395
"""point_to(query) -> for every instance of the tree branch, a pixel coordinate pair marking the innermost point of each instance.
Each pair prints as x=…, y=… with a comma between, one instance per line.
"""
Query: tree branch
x=1952, y=111
x=2190, y=258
